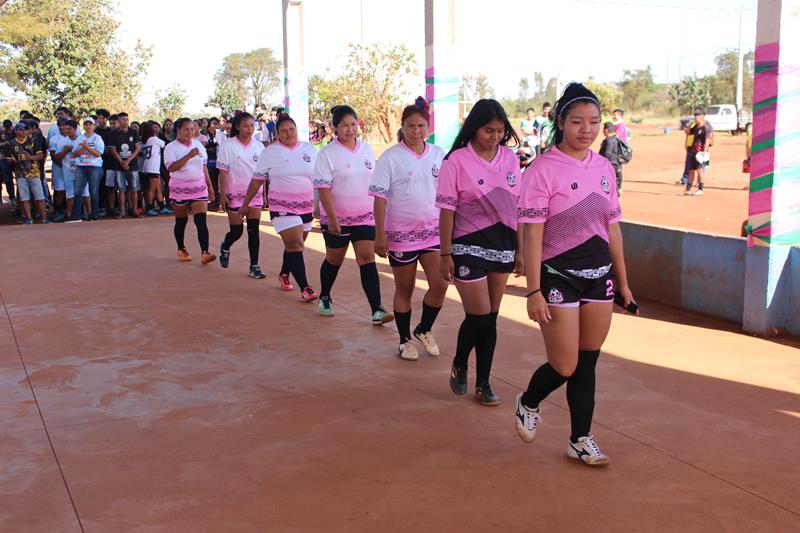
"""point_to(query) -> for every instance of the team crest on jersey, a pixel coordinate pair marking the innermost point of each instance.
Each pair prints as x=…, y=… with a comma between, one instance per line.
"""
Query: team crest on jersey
x=255, y=158
x=368, y=164
x=307, y=158
x=605, y=185
x=574, y=186
x=398, y=255
x=435, y=170
x=480, y=181
x=511, y=178
x=555, y=296
x=463, y=271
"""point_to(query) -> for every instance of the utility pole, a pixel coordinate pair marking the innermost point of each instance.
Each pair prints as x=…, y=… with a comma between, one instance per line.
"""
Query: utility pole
x=295, y=78
x=740, y=68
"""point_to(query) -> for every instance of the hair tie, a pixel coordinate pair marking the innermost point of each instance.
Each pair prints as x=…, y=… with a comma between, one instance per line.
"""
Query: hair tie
x=562, y=108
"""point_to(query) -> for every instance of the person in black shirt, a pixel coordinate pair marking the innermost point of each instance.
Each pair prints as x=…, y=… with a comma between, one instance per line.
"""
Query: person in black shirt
x=24, y=154
x=698, y=153
x=104, y=131
x=609, y=149
x=6, y=175
x=125, y=147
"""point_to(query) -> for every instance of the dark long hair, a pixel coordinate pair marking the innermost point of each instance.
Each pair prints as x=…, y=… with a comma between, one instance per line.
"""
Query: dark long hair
x=339, y=112
x=574, y=93
x=148, y=130
x=483, y=112
x=178, y=124
x=238, y=120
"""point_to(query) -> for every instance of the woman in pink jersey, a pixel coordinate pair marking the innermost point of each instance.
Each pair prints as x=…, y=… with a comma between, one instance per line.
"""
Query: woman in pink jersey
x=573, y=250
x=342, y=175
x=477, y=195
x=236, y=163
x=407, y=225
x=288, y=167
x=190, y=187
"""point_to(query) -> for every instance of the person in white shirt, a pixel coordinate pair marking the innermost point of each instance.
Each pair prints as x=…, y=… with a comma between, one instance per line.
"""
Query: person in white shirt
x=407, y=225
x=152, y=149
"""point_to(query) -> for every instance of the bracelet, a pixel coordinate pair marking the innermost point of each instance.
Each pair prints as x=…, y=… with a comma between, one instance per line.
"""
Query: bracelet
x=444, y=255
x=532, y=293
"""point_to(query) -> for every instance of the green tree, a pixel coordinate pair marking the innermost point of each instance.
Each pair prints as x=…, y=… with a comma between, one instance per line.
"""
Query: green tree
x=168, y=103
x=609, y=95
x=475, y=87
x=246, y=79
x=68, y=64
x=723, y=85
x=524, y=89
x=263, y=74
x=691, y=92
x=635, y=85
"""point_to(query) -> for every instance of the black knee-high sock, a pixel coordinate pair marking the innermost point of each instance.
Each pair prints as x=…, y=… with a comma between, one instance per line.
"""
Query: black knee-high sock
x=580, y=394
x=296, y=265
x=544, y=381
x=180, y=230
x=467, y=337
x=253, y=240
x=484, y=348
x=232, y=236
x=285, y=268
x=327, y=276
x=429, y=314
x=202, y=230
x=403, y=320
x=371, y=284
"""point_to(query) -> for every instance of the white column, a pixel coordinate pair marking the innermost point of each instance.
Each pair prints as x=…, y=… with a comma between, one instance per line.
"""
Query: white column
x=295, y=78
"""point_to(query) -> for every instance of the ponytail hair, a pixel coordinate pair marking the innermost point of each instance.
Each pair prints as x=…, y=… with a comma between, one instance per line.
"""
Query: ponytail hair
x=283, y=117
x=238, y=120
x=483, y=112
x=339, y=112
x=420, y=107
x=573, y=93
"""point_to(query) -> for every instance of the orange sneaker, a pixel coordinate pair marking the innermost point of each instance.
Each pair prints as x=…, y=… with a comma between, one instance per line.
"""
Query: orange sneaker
x=207, y=258
x=184, y=256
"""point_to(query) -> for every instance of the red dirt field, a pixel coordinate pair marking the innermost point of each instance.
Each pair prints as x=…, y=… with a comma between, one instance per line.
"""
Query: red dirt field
x=141, y=394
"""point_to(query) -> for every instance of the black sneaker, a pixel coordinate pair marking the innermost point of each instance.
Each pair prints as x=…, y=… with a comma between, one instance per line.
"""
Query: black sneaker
x=485, y=395
x=458, y=380
x=224, y=256
x=256, y=272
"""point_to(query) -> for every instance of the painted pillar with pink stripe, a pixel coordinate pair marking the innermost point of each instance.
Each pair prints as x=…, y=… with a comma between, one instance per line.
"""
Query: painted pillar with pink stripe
x=295, y=78
x=774, y=208
x=442, y=79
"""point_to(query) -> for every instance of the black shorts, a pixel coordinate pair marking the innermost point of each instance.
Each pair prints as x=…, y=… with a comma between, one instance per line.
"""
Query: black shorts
x=188, y=202
x=399, y=259
x=150, y=176
x=467, y=270
x=348, y=234
x=693, y=163
x=565, y=289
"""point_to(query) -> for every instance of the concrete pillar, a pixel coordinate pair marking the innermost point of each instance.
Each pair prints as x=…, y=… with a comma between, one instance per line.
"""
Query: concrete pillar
x=295, y=78
x=442, y=78
x=774, y=210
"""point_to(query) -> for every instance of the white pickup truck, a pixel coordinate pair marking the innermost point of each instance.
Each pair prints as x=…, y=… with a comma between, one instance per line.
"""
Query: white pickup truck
x=724, y=117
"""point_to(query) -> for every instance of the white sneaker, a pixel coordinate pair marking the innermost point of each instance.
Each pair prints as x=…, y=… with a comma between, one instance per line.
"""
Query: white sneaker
x=428, y=342
x=408, y=351
x=698, y=192
x=686, y=192
x=586, y=450
x=527, y=420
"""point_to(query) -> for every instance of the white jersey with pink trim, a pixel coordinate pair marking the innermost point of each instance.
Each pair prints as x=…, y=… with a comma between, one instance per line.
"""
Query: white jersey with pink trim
x=484, y=196
x=347, y=173
x=188, y=183
x=239, y=161
x=575, y=200
x=290, y=173
x=408, y=182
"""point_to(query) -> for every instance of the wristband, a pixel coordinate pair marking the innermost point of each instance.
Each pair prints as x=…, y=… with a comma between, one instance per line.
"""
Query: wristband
x=532, y=293
x=444, y=255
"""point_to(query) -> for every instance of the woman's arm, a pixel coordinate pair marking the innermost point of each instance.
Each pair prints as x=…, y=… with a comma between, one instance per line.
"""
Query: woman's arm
x=209, y=185
x=326, y=200
x=223, y=189
x=618, y=262
x=532, y=247
x=252, y=190
x=379, y=209
x=175, y=166
x=446, y=224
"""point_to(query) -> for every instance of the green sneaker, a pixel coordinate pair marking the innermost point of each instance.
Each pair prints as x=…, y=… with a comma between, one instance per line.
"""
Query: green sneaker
x=325, y=307
x=381, y=316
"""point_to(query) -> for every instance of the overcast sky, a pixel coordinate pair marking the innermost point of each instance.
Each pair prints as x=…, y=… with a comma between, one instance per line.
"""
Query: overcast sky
x=572, y=39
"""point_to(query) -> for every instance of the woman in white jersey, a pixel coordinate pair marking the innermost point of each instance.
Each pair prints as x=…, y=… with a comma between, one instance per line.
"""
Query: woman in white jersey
x=189, y=187
x=342, y=175
x=237, y=163
x=152, y=149
x=407, y=225
x=288, y=167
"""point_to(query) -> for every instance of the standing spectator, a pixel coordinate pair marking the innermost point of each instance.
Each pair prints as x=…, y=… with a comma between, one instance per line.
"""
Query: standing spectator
x=24, y=156
x=530, y=134
x=126, y=145
x=40, y=144
x=88, y=152
x=69, y=166
x=153, y=148
x=610, y=149
x=59, y=148
x=198, y=133
x=542, y=123
x=103, y=129
x=213, y=149
x=62, y=114
x=6, y=173
x=698, y=154
x=689, y=142
x=168, y=131
x=618, y=119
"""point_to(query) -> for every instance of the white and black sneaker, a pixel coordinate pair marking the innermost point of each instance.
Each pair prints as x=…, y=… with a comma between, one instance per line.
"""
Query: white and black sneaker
x=256, y=272
x=527, y=420
x=586, y=450
x=224, y=256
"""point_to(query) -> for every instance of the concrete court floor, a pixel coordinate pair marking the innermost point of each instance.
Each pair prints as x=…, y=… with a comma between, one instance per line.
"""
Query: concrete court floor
x=141, y=394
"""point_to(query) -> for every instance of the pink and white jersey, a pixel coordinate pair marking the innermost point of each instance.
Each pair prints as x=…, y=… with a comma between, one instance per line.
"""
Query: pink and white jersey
x=188, y=183
x=347, y=173
x=576, y=200
x=408, y=181
x=484, y=196
x=290, y=173
x=239, y=161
